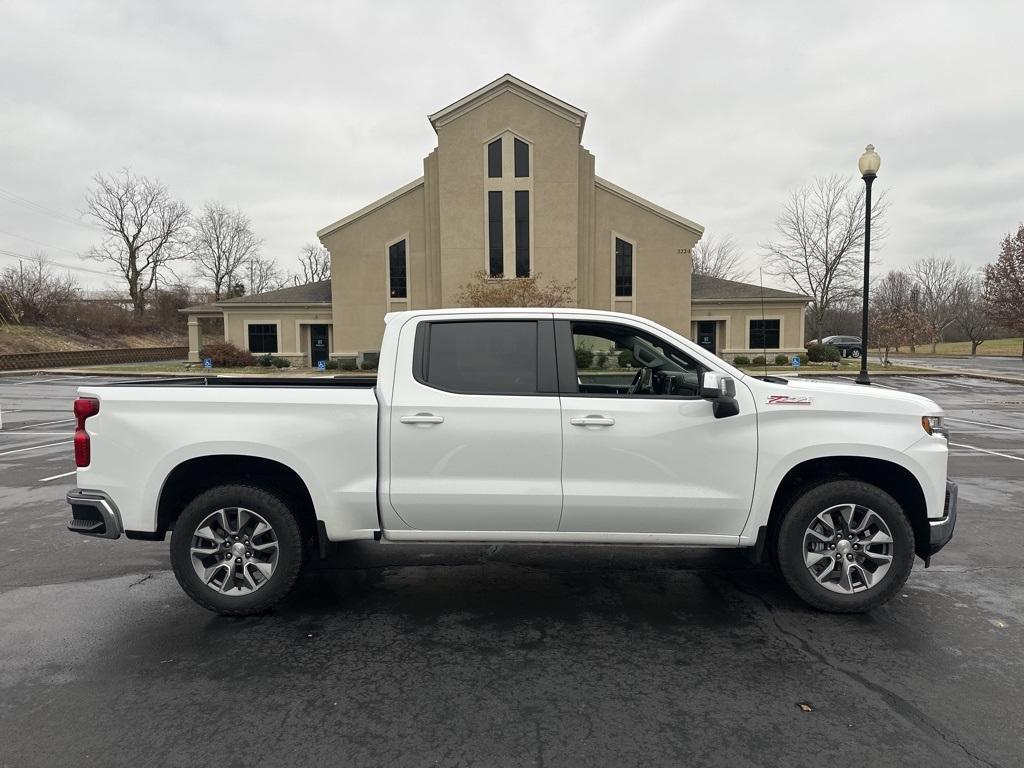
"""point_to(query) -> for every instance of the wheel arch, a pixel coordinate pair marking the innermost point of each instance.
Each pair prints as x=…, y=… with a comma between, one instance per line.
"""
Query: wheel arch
x=896, y=480
x=196, y=475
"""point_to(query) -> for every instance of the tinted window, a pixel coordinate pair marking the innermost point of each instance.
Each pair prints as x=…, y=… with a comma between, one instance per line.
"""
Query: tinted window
x=490, y=357
x=495, y=237
x=396, y=266
x=494, y=159
x=522, y=234
x=623, y=268
x=522, y=158
x=263, y=338
x=764, y=334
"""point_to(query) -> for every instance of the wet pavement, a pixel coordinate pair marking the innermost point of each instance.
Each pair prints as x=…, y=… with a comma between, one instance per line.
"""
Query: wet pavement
x=509, y=655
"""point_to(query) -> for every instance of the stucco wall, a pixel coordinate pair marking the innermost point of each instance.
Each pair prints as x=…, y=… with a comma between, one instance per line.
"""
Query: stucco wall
x=292, y=337
x=461, y=169
x=661, y=290
x=733, y=329
x=359, y=286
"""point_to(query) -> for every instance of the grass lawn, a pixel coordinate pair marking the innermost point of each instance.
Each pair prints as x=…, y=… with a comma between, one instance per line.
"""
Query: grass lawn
x=34, y=338
x=1006, y=347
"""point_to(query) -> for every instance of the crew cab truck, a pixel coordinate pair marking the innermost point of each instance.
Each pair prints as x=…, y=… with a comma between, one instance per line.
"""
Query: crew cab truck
x=518, y=425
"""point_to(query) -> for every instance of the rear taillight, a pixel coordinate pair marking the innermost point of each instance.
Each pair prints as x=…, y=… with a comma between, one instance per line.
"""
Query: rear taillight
x=84, y=408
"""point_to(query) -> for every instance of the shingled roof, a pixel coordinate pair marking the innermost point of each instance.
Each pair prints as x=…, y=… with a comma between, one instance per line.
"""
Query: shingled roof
x=704, y=288
x=310, y=293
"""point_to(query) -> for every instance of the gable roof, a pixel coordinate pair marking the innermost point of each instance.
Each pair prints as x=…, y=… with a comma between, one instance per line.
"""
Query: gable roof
x=310, y=293
x=509, y=84
x=664, y=213
x=380, y=203
x=704, y=288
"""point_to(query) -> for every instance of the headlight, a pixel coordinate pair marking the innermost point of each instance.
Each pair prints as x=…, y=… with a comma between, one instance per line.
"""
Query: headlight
x=934, y=425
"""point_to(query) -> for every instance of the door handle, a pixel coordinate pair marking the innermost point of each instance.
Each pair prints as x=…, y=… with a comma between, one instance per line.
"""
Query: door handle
x=592, y=421
x=422, y=418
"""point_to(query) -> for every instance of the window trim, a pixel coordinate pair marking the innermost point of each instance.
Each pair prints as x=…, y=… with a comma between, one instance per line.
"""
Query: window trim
x=407, y=299
x=631, y=299
x=568, y=375
x=268, y=321
x=547, y=376
x=782, y=329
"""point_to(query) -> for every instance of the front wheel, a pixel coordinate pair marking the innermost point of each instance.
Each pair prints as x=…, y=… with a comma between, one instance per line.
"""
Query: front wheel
x=236, y=549
x=845, y=547
x=855, y=352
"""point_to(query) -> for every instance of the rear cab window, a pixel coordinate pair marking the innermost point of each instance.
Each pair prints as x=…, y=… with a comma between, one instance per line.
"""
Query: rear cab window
x=486, y=357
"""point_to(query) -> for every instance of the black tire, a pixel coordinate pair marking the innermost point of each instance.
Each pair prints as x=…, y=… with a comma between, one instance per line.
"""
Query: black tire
x=790, y=547
x=855, y=352
x=290, y=550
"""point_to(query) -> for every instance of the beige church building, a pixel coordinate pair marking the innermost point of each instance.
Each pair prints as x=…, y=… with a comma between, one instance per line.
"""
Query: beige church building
x=509, y=192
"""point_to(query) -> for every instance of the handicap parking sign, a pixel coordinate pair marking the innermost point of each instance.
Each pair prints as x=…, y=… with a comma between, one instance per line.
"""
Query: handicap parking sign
x=796, y=361
x=207, y=362
x=322, y=365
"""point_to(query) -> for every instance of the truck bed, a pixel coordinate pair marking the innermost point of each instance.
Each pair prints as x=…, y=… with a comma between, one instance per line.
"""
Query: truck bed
x=351, y=382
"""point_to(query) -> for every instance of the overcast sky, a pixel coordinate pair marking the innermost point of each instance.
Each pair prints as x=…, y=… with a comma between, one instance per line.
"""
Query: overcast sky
x=300, y=113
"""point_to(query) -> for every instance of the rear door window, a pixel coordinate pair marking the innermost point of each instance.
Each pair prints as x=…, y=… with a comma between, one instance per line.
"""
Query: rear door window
x=494, y=357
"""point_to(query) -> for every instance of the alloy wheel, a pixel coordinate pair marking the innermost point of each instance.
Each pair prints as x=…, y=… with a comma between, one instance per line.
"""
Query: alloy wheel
x=848, y=548
x=234, y=551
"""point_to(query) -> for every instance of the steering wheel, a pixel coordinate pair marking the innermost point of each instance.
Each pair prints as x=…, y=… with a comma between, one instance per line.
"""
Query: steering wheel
x=643, y=376
x=635, y=384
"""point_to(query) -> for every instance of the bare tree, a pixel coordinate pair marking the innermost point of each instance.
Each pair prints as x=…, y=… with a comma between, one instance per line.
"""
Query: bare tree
x=485, y=291
x=1004, y=284
x=971, y=313
x=222, y=243
x=34, y=292
x=821, y=240
x=941, y=281
x=144, y=229
x=719, y=258
x=264, y=275
x=896, y=319
x=315, y=262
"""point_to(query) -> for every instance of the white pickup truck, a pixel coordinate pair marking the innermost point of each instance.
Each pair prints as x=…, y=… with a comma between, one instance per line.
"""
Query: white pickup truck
x=511, y=425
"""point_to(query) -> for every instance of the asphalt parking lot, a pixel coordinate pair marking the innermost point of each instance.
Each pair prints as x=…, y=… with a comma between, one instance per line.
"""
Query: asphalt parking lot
x=500, y=655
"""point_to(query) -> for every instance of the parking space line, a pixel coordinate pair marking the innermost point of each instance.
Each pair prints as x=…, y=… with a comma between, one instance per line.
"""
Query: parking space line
x=36, y=447
x=38, y=424
x=985, y=424
x=39, y=381
x=57, y=477
x=982, y=450
x=5, y=433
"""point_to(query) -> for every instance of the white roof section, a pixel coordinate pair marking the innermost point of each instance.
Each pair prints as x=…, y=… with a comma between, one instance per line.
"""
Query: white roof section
x=371, y=207
x=625, y=194
x=509, y=84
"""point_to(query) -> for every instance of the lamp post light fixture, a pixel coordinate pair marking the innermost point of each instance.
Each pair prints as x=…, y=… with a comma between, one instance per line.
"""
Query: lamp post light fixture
x=868, y=164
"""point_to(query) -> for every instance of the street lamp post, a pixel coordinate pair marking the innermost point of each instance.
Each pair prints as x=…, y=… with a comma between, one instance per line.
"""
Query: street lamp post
x=868, y=164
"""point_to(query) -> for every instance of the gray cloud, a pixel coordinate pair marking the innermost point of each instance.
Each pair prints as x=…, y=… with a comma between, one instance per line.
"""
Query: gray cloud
x=302, y=113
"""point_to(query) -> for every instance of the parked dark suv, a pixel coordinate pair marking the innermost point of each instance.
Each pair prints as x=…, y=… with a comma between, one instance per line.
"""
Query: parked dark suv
x=848, y=346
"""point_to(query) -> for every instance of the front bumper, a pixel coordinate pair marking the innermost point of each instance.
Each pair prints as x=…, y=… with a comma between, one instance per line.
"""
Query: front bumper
x=93, y=513
x=941, y=531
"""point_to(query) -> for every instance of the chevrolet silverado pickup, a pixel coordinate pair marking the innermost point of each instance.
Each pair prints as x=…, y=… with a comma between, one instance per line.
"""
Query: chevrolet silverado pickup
x=518, y=425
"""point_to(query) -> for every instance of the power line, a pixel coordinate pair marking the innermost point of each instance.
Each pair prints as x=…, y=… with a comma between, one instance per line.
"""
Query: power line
x=24, y=202
x=16, y=255
x=39, y=242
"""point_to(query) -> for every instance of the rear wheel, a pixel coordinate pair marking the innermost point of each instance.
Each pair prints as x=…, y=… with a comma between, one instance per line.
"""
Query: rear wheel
x=236, y=549
x=845, y=546
x=855, y=352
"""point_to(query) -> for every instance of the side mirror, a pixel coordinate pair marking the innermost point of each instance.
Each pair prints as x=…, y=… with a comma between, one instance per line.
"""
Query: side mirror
x=716, y=386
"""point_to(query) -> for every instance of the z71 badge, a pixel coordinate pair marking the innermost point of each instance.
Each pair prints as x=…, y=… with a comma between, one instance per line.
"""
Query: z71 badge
x=789, y=400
